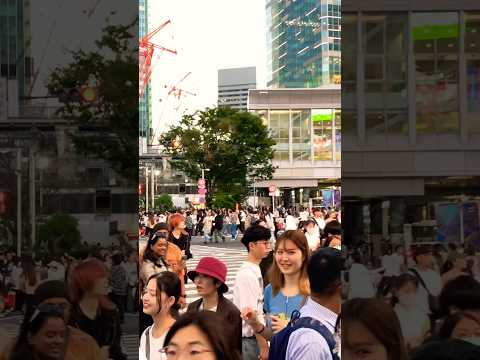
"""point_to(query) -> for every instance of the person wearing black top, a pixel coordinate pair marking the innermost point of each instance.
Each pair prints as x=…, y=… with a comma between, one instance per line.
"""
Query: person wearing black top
x=178, y=235
x=92, y=311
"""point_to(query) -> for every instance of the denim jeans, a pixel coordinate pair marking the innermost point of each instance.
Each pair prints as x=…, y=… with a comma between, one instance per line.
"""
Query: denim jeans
x=250, y=349
x=233, y=231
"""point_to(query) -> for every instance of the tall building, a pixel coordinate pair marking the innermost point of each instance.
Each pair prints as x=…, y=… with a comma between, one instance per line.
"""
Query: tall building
x=410, y=110
x=306, y=126
x=145, y=113
x=303, y=43
x=15, y=37
x=233, y=86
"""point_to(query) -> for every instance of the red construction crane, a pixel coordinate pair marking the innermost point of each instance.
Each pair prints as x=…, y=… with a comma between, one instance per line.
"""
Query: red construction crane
x=146, y=50
x=177, y=92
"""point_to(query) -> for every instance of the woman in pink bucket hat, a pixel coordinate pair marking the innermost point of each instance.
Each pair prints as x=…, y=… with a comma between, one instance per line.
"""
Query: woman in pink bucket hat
x=210, y=277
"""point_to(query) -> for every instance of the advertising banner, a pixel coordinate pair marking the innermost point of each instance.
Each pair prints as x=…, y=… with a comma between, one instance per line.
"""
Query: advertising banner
x=448, y=222
x=471, y=223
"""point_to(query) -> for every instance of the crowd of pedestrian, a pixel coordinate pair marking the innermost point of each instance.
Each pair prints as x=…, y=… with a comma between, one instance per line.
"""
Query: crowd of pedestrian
x=291, y=275
x=420, y=302
x=72, y=306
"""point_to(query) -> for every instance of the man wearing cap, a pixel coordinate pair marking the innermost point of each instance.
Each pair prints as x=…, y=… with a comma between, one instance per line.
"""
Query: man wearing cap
x=209, y=277
x=80, y=345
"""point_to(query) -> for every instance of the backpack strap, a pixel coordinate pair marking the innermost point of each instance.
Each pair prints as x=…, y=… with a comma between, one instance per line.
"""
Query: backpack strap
x=147, y=343
x=420, y=279
x=310, y=323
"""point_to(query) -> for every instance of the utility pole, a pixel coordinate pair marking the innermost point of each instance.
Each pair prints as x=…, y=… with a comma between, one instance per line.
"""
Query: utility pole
x=146, y=188
x=32, y=196
x=19, y=201
x=153, y=185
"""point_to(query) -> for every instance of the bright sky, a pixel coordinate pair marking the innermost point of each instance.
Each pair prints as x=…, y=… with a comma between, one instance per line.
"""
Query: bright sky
x=208, y=35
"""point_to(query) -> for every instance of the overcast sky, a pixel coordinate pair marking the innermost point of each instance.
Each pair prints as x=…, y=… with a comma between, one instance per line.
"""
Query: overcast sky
x=58, y=25
x=208, y=35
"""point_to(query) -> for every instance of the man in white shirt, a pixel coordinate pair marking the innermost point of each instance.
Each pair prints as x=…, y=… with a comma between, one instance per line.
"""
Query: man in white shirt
x=433, y=282
x=304, y=215
x=318, y=217
x=248, y=290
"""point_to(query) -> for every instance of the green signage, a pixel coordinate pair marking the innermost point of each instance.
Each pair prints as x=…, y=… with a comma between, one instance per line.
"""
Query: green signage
x=431, y=32
x=322, y=115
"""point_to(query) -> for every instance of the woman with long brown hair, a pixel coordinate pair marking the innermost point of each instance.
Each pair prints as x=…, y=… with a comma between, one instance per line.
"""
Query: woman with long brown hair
x=289, y=286
x=371, y=331
x=92, y=310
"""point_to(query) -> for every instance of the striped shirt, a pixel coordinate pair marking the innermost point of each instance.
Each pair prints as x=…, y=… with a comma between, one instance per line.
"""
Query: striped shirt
x=308, y=344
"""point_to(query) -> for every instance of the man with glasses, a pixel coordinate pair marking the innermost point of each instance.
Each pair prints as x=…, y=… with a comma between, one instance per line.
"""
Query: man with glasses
x=248, y=289
x=53, y=295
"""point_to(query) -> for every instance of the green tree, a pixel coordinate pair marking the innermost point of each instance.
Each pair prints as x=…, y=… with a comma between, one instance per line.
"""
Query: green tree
x=164, y=203
x=234, y=145
x=110, y=72
x=59, y=234
x=223, y=201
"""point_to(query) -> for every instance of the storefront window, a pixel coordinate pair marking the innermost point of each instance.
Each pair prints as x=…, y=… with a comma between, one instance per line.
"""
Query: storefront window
x=322, y=121
x=435, y=37
x=301, y=146
x=279, y=129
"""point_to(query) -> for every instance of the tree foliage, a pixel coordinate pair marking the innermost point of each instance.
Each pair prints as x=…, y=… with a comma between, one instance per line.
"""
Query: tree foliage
x=112, y=71
x=59, y=234
x=235, y=146
x=163, y=203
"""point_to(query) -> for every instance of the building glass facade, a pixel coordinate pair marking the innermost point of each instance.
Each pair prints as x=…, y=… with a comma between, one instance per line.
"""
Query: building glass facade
x=15, y=38
x=145, y=102
x=406, y=75
x=311, y=135
x=303, y=43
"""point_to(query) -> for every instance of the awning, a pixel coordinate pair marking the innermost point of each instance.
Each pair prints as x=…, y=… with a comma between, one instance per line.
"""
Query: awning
x=288, y=183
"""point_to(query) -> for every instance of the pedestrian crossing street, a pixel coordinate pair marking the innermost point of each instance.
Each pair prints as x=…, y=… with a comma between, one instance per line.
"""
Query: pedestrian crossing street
x=233, y=258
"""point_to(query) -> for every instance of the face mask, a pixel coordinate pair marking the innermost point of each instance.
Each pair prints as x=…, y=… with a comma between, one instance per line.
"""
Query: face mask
x=407, y=300
x=473, y=340
x=338, y=247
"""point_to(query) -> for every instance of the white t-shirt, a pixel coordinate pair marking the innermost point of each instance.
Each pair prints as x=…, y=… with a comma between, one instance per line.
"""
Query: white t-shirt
x=412, y=321
x=392, y=264
x=248, y=292
x=200, y=308
x=156, y=344
x=304, y=215
x=433, y=281
x=320, y=222
x=291, y=223
x=361, y=282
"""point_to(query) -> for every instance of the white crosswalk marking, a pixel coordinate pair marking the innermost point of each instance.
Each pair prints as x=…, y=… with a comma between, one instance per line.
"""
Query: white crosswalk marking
x=233, y=258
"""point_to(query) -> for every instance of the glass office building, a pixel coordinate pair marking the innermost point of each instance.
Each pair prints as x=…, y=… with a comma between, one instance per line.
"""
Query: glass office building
x=303, y=43
x=145, y=115
x=410, y=114
x=15, y=57
x=411, y=78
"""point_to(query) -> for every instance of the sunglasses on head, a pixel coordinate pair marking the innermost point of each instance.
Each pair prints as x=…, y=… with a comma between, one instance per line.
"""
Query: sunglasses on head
x=50, y=309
